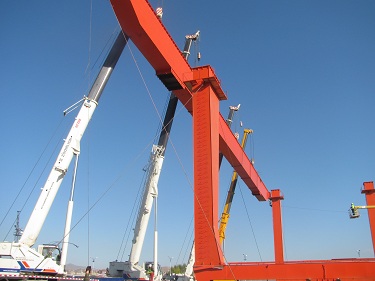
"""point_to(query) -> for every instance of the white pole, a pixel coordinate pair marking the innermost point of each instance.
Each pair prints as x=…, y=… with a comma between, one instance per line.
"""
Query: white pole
x=170, y=265
x=68, y=221
x=156, y=238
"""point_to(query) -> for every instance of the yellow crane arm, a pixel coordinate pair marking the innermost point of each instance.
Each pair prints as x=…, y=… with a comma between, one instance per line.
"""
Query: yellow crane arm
x=353, y=211
x=364, y=207
x=228, y=202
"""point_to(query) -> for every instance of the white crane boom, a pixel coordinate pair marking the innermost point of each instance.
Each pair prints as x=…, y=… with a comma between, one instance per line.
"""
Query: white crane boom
x=18, y=258
x=154, y=169
x=150, y=192
x=70, y=147
x=131, y=268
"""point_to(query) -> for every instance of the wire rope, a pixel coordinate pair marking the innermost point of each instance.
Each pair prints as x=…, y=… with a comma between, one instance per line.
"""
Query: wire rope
x=133, y=216
x=313, y=209
x=185, y=242
x=106, y=191
x=137, y=200
x=29, y=175
x=145, y=84
x=196, y=198
x=251, y=225
x=88, y=68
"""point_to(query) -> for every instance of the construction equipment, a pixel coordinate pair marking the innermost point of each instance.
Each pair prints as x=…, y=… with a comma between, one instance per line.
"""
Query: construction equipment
x=188, y=274
x=18, y=258
x=228, y=203
x=200, y=92
x=133, y=269
x=353, y=210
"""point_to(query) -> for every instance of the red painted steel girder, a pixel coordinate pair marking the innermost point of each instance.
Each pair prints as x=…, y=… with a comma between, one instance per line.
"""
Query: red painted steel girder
x=208, y=252
x=278, y=243
x=138, y=20
x=233, y=152
x=341, y=269
x=369, y=191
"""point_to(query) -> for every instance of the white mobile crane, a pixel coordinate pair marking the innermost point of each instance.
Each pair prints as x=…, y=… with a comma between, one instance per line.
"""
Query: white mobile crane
x=19, y=259
x=132, y=269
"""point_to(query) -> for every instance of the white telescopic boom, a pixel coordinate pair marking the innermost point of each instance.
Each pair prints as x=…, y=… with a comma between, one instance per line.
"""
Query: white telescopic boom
x=154, y=169
x=56, y=176
x=71, y=146
x=150, y=192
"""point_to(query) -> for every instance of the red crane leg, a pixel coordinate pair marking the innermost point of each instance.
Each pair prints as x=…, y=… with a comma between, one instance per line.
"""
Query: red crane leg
x=369, y=191
x=206, y=179
x=276, y=198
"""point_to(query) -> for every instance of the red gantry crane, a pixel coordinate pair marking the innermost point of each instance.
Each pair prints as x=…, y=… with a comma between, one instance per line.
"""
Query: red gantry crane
x=199, y=91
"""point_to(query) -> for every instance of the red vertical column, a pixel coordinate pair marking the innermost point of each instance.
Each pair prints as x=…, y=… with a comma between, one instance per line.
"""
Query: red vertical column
x=276, y=198
x=206, y=178
x=369, y=191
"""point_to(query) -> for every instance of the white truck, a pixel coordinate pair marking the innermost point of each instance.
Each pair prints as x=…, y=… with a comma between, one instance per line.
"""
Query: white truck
x=18, y=260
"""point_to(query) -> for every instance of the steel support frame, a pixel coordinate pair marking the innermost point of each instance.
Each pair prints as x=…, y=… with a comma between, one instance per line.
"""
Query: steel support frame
x=312, y=270
x=211, y=134
x=276, y=198
x=369, y=191
x=206, y=180
x=139, y=21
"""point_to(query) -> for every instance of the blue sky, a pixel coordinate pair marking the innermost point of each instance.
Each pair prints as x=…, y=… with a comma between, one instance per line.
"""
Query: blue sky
x=303, y=72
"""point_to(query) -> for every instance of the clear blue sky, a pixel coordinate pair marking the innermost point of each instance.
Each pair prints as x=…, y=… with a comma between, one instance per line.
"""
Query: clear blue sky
x=303, y=72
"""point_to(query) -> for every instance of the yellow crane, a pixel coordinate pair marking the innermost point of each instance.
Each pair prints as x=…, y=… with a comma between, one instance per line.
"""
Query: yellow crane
x=228, y=202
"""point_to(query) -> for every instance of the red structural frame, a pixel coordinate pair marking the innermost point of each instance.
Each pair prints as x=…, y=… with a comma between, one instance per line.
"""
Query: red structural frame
x=369, y=191
x=200, y=92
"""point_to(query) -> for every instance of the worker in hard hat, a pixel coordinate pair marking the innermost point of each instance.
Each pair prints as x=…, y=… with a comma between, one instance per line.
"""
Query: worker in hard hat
x=150, y=272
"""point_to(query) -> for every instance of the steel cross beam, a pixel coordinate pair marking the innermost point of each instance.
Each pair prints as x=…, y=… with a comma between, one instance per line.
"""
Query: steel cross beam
x=139, y=21
x=322, y=270
x=199, y=91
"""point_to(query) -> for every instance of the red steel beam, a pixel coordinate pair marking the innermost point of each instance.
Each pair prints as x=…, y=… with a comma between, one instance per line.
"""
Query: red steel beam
x=138, y=20
x=233, y=152
x=276, y=198
x=314, y=270
x=369, y=191
x=206, y=180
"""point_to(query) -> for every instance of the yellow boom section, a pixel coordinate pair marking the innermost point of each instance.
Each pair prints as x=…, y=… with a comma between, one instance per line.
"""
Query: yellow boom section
x=228, y=202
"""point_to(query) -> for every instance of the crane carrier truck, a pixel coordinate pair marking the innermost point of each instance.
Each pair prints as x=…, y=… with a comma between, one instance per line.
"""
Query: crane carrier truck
x=18, y=260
